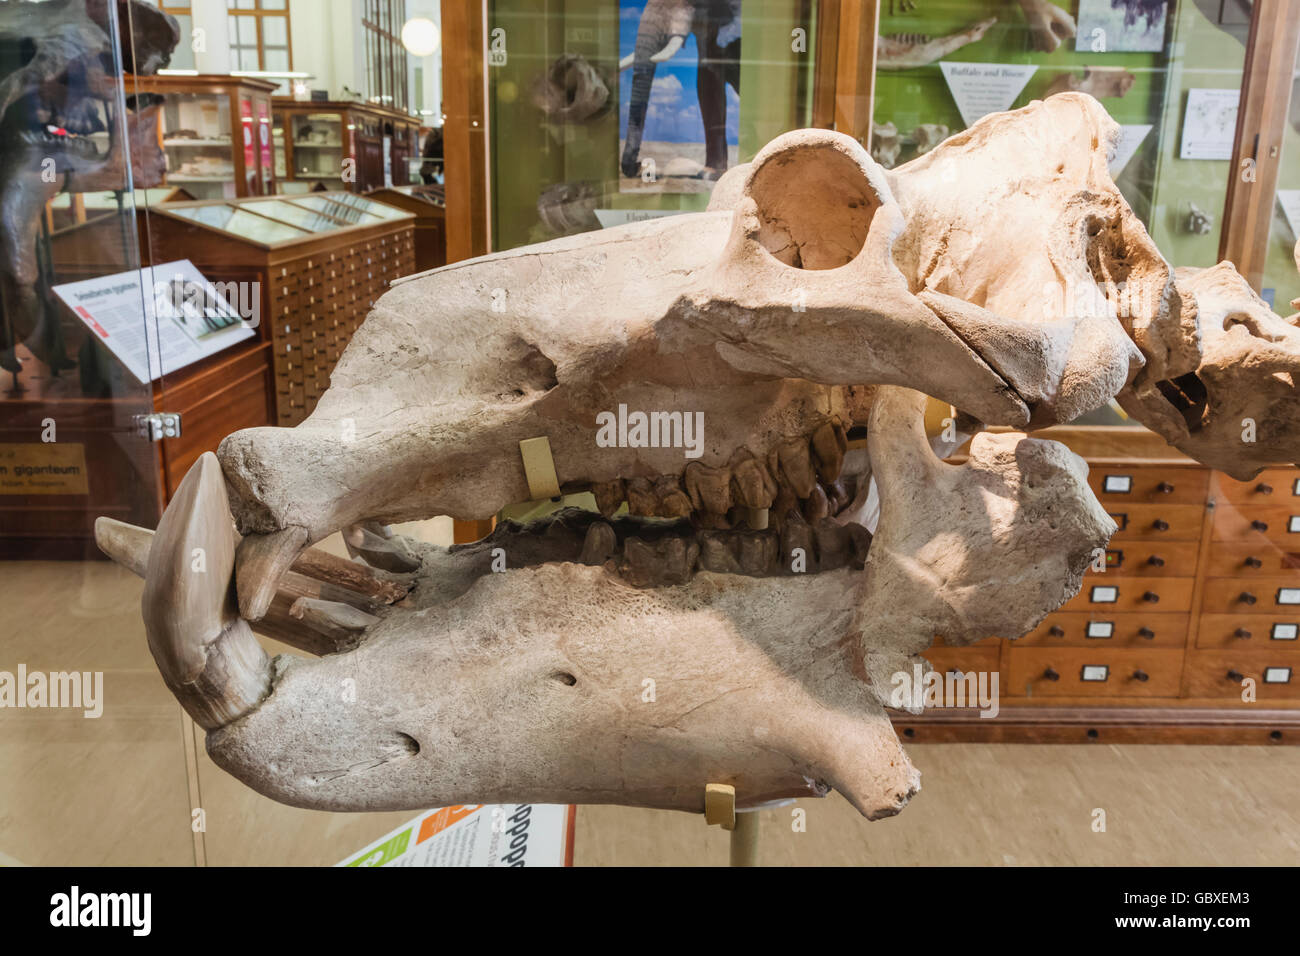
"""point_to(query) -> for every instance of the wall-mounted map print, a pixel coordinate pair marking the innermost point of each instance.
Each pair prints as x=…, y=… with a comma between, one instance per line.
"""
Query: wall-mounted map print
x=679, y=99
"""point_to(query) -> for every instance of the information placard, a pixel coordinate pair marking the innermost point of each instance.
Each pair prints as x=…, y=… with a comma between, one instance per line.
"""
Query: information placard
x=536, y=834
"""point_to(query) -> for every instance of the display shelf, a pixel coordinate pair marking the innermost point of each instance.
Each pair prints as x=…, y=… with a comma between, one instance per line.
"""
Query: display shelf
x=314, y=139
x=229, y=154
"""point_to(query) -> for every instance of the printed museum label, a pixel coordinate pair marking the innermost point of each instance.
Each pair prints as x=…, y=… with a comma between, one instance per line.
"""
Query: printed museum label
x=43, y=468
x=983, y=88
x=498, y=835
x=162, y=318
x=1117, y=484
x=1284, y=632
x=1210, y=124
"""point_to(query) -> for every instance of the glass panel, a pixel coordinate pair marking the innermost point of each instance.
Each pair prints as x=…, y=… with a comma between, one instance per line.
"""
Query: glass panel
x=236, y=221
x=637, y=143
x=275, y=31
x=196, y=139
x=1282, y=267
x=93, y=771
x=294, y=215
x=336, y=207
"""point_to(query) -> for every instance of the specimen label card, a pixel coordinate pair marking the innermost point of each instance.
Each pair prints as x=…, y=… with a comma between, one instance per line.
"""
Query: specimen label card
x=152, y=330
x=1210, y=124
x=983, y=88
x=537, y=834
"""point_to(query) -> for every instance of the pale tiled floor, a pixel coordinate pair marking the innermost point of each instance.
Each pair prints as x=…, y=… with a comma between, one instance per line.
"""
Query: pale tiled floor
x=115, y=790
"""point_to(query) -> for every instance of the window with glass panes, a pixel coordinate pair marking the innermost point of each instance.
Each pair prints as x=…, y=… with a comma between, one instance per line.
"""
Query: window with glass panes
x=385, y=55
x=259, y=35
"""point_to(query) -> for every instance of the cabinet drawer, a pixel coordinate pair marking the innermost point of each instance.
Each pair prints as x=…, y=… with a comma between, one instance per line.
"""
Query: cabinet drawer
x=1156, y=522
x=980, y=660
x=1103, y=592
x=1273, y=486
x=1163, y=559
x=1099, y=629
x=1221, y=674
x=1110, y=672
x=1116, y=485
x=1251, y=559
x=1263, y=595
x=1258, y=524
x=1249, y=632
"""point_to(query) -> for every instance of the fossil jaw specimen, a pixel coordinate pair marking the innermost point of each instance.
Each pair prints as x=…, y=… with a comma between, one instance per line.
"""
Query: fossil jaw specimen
x=741, y=624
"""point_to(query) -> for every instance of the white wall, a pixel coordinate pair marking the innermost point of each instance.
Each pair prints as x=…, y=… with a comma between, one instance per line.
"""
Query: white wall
x=432, y=65
x=326, y=42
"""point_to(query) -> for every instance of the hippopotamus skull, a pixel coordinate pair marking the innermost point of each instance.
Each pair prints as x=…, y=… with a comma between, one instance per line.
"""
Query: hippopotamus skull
x=779, y=561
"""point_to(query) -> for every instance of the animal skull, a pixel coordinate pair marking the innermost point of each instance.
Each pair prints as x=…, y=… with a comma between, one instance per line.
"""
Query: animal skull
x=742, y=624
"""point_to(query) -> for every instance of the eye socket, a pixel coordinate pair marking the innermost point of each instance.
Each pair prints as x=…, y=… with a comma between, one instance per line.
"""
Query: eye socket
x=815, y=206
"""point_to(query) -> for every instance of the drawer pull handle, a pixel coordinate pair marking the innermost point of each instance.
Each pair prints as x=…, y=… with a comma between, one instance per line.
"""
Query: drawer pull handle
x=1246, y=598
x=1234, y=675
x=1241, y=634
x=1165, y=488
x=1160, y=524
x=1151, y=597
x=1146, y=632
x=1264, y=488
x=1142, y=676
x=1259, y=525
x=1050, y=674
x=1253, y=562
x=1056, y=631
x=1156, y=561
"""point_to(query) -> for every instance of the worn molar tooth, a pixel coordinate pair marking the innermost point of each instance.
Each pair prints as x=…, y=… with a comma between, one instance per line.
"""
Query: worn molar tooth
x=784, y=504
x=600, y=544
x=375, y=544
x=709, y=488
x=817, y=506
x=673, y=502
x=833, y=544
x=797, y=534
x=796, y=466
x=859, y=543
x=609, y=495
x=751, y=485
x=717, y=552
x=758, y=553
x=666, y=562
x=829, y=442
x=641, y=499
x=707, y=521
x=837, y=496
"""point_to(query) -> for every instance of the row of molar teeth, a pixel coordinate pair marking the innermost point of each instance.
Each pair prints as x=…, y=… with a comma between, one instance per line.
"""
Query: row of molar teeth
x=800, y=474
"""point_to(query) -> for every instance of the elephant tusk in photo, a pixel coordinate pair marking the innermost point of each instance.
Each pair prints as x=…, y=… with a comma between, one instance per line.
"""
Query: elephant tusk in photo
x=670, y=50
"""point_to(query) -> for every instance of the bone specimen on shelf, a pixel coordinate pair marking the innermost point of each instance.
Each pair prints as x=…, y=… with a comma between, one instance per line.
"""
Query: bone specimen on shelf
x=886, y=145
x=762, y=589
x=1049, y=24
x=1100, y=81
x=904, y=51
x=571, y=90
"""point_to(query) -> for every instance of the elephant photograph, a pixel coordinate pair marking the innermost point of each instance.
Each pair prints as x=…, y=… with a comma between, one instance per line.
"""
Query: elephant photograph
x=679, y=93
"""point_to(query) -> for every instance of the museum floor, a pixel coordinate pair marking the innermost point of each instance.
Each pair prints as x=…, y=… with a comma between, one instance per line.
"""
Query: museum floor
x=117, y=789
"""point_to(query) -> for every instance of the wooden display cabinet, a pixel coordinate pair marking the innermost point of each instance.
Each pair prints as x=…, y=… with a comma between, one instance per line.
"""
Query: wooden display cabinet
x=320, y=262
x=313, y=139
x=1191, y=633
x=216, y=133
x=429, y=205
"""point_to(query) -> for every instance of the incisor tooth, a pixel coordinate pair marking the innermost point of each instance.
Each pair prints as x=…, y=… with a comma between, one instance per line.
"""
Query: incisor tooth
x=709, y=488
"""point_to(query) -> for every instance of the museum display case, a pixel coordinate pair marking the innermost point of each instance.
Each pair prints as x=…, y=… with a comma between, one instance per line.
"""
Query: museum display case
x=351, y=146
x=216, y=133
x=765, y=388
